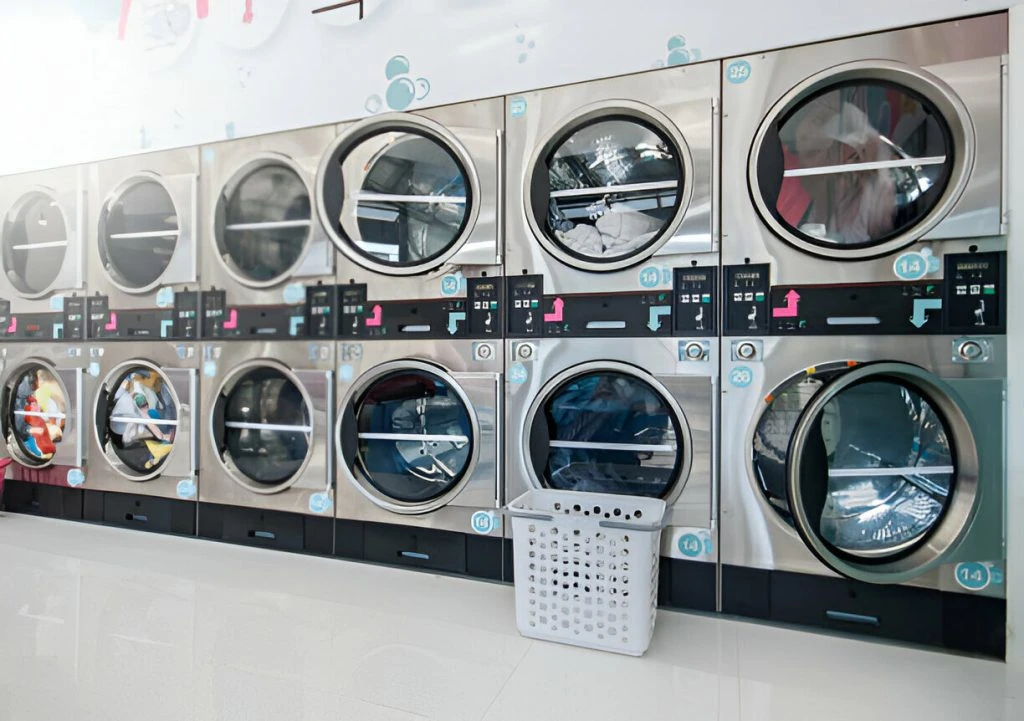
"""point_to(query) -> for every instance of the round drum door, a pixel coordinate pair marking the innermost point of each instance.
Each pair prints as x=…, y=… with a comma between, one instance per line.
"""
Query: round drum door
x=35, y=414
x=609, y=188
x=262, y=425
x=263, y=222
x=408, y=435
x=35, y=242
x=859, y=161
x=608, y=428
x=398, y=195
x=136, y=420
x=873, y=464
x=138, y=234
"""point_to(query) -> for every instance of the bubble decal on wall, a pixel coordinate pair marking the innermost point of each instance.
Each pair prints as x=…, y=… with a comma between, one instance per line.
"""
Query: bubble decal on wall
x=402, y=90
x=678, y=53
x=524, y=46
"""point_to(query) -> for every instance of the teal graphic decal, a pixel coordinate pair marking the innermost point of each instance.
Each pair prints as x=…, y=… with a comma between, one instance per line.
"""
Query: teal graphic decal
x=738, y=72
x=524, y=47
x=402, y=89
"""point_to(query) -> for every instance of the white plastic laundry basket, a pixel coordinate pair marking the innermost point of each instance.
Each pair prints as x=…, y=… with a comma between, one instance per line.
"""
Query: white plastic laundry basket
x=586, y=568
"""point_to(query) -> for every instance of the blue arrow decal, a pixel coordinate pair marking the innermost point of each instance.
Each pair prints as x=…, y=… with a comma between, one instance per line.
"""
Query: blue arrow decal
x=920, y=306
x=294, y=323
x=453, y=321
x=165, y=328
x=654, y=323
x=58, y=329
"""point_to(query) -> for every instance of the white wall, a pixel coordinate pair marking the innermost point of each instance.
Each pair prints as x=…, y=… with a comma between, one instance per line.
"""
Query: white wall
x=73, y=91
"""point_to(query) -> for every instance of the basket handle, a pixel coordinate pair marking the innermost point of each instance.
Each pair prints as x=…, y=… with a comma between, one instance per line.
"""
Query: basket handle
x=622, y=526
x=527, y=514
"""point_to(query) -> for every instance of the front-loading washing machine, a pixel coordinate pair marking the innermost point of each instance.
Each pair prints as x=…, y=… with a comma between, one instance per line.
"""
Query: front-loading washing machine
x=419, y=436
x=864, y=476
x=142, y=273
x=612, y=190
x=143, y=450
x=42, y=254
x=861, y=160
x=633, y=417
x=413, y=202
x=44, y=389
x=263, y=248
x=266, y=457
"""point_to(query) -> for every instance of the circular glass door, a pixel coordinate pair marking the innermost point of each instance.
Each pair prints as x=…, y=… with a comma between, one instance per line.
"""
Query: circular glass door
x=138, y=234
x=408, y=436
x=606, y=429
x=608, y=190
x=263, y=427
x=860, y=163
x=263, y=223
x=137, y=420
x=867, y=463
x=398, y=197
x=35, y=414
x=35, y=241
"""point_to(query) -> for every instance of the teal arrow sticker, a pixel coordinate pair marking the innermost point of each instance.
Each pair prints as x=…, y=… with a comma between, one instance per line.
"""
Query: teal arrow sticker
x=919, y=318
x=453, y=321
x=656, y=313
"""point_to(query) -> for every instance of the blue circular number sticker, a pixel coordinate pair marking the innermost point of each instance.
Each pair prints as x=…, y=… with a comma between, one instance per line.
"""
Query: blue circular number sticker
x=741, y=376
x=650, y=277
x=484, y=522
x=690, y=545
x=186, y=489
x=517, y=373
x=75, y=477
x=294, y=293
x=450, y=285
x=910, y=266
x=517, y=107
x=738, y=72
x=165, y=297
x=320, y=503
x=973, y=576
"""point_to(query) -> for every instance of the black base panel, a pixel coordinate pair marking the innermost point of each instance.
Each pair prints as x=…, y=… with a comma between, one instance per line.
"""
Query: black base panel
x=278, y=530
x=689, y=585
x=508, y=562
x=39, y=499
x=429, y=549
x=955, y=621
x=141, y=513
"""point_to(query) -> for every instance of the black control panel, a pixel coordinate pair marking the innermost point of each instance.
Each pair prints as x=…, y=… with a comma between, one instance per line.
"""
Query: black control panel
x=177, y=322
x=484, y=299
x=857, y=309
x=74, y=318
x=352, y=310
x=746, y=299
x=975, y=298
x=592, y=315
x=67, y=323
x=321, y=318
x=248, y=322
x=695, y=293
x=478, y=315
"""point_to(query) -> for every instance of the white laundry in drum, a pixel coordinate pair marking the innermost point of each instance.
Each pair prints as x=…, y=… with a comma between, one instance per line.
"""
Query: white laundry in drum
x=616, y=233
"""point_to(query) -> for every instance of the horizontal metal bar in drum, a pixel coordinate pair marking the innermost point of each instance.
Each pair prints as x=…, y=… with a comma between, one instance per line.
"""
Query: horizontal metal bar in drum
x=147, y=234
x=885, y=472
x=588, y=445
x=269, y=225
x=268, y=427
x=426, y=438
x=389, y=198
x=40, y=246
x=604, y=189
x=863, y=167
x=143, y=421
x=40, y=414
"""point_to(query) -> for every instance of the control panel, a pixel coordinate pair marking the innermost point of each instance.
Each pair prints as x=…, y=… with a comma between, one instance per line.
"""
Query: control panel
x=975, y=296
x=248, y=322
x=65, y=322
x=696, y=312
x=321, y=301
x=746, y=299
x=478, y=315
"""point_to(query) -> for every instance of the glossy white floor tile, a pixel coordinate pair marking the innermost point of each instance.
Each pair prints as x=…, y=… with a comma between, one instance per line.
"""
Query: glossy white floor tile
x=101, y=624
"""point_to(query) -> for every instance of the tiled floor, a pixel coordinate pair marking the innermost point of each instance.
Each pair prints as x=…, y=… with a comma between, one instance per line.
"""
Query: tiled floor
x=100, y=624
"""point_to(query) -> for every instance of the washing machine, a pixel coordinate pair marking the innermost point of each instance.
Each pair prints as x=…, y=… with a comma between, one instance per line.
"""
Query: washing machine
x=143, y=450
x=634, y=417
x=413, y=203
x=44, y=388
x=612, y=189
x=42, y=251
x=265, y=444
x=142, y=273
x=263, y=248
x=418, y=443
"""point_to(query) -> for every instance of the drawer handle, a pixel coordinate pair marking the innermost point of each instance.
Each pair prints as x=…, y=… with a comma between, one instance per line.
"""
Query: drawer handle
x=136, y=517
x=262, y=534
x=853, y=618
x=414, y=554
x=606, y=324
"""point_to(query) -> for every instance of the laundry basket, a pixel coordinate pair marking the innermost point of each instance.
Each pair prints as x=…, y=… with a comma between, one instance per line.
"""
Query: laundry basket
x=586, y=568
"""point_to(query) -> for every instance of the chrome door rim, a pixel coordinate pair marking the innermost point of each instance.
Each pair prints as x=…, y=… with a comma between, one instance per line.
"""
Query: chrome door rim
x=13, y=210
x=953, y=112
x=409, y=123
x=10, y=384
x=594, y=111
x=955, y=521
x=364, y=486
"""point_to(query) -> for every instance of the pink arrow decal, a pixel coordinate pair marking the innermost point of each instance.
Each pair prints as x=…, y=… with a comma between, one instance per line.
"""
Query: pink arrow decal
x=202, y=9
x=247, y=17
x=232, y=322
x=112, y=323
x=13, y=327
x=377, y=318
x=792, y=300
x=122, y=23
x=556, y=316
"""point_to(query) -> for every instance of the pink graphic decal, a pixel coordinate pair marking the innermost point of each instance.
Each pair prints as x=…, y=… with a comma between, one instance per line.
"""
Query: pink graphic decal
x=232, y=322
x=13, y=327
x=377, y=318
x=247, y=17
x=202, y=9
x=792, y=300
x=112, y=323
x=122, y=23
x=556, y=316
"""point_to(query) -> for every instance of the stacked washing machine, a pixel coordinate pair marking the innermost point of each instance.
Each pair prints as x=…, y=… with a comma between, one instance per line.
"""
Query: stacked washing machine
x=42, y=333
x=611, y=272
x=413, y=204
x=864, y=368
